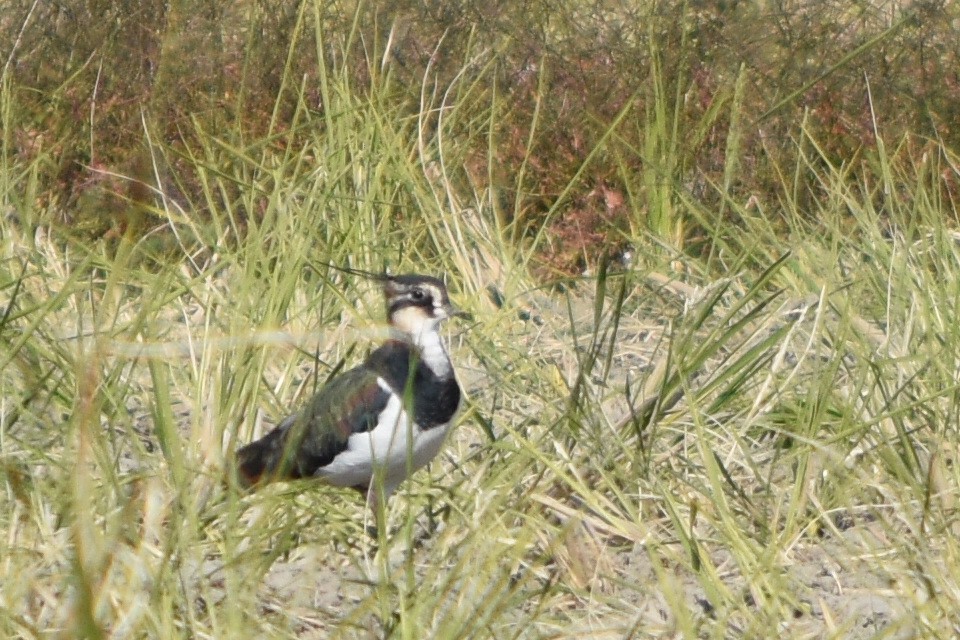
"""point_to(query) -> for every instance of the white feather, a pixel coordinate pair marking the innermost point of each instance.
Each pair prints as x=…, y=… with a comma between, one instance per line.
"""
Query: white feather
x=433, y=353
x=386, y=449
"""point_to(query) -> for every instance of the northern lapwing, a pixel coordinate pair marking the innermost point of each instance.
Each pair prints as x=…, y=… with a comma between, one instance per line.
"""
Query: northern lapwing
x=372, y=426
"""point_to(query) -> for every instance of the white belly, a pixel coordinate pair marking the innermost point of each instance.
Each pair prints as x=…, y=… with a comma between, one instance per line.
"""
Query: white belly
x=396, y=448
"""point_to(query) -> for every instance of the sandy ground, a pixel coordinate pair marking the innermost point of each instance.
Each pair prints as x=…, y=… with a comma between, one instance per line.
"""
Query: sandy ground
x=846, y=580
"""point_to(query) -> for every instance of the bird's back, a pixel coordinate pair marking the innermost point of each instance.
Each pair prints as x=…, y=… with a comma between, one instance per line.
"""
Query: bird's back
x=376, y=398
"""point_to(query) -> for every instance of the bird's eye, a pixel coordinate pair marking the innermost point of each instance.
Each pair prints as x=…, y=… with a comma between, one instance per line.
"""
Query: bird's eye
x=417, y=294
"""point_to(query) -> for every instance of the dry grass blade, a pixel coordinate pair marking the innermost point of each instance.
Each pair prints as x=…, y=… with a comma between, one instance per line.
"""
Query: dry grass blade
x=739, y=417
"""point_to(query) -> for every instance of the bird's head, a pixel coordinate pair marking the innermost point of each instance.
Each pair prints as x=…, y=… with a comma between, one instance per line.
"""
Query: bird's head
x=417, y=303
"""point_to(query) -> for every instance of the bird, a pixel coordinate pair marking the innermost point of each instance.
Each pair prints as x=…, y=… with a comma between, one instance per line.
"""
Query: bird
x=372, y=426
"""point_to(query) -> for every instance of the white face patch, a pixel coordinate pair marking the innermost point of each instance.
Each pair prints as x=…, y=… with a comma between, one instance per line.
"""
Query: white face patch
x=414, y=320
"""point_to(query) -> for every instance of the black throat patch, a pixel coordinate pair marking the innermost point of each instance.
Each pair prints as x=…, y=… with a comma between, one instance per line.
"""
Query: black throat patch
x=435, y=398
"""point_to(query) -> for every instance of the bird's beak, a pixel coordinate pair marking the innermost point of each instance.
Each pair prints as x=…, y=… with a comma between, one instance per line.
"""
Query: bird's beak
x=455, y=312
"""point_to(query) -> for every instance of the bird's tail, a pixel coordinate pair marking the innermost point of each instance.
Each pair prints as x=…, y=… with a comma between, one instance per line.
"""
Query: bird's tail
x=261, y=461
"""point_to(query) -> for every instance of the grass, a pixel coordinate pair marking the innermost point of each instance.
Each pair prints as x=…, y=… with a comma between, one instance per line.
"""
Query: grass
x=754, y=434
